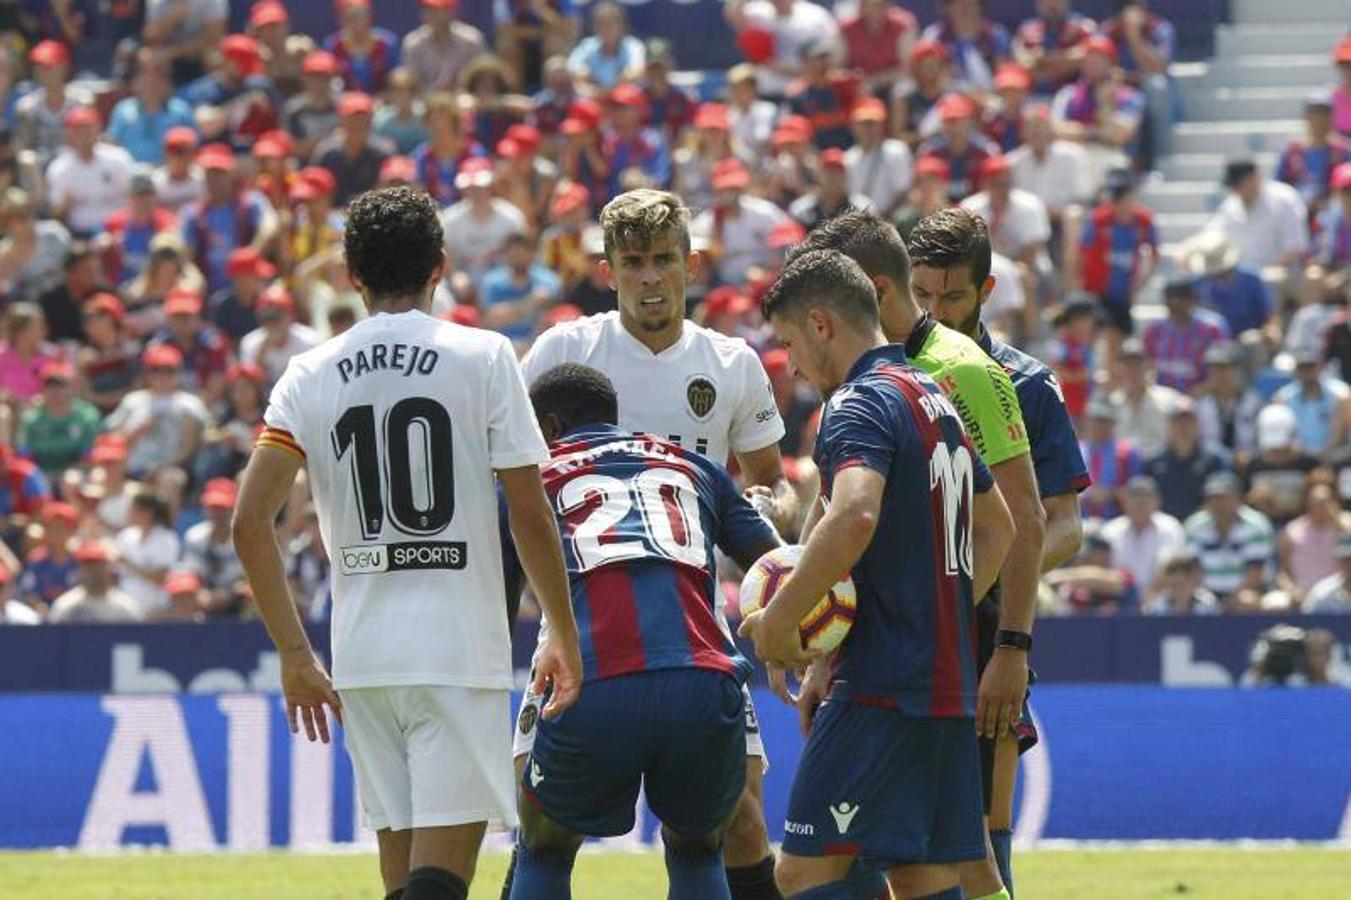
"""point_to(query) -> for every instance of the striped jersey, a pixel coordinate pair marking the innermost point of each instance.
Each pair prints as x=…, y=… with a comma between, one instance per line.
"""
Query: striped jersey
x=911, y=645
x=640, y=518
x=1225, y=558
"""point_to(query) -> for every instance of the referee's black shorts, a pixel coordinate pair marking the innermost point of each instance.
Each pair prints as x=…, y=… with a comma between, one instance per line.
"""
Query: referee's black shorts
x=987, y=623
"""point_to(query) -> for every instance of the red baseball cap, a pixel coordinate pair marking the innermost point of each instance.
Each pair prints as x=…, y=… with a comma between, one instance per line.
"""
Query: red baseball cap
x=928, y=50
x=627, y=95
x=273, y=145
x=216, y=157
x=933, y=167
x=397, y=168
x=563, y=312
x=248, y=261
x=1342, y=53
x=242, y=50
x=344, y=5
x=441, y=4
x=108, y=447
x=463, y=314
x=105, y=304
x=81, y=115
x=268, y=13
x=788, y=233
x=507, y=149
x=317, y=181
x=182, y=302
x=219, y=492
x=56, y=370
x=55, y=510
x=587, y=111
x=49, y=53
x=730, y=174
x=993, y=166
x=776, y=361
x=276, y=297
x=571, y=126
x=1341, y=177
x=1011, y=76
x=180, y=137
x=1100, y=43
x=474, y=172
x=712, y=116
x=726, y=301
x=954, y=107
x=527, y=137
x=355, y=103
x=92, y=550
x=182, y=583
x=319, y=62
x=833, y=158
x=869, y=109
x=756, y=44
x=568, y=197
x=245, y=371
x=162, y=356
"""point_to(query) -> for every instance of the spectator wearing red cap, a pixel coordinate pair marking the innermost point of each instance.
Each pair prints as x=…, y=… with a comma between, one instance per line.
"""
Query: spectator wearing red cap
x=89, y=179
x=931, y=192
x=877, y=41
x=185, y=32
x=59, y=427
x=366, y=54
x=516, y=292
x=824, y=95
x=233, y=308
x=693, y=163
x=1333, y=244
x=40, y=115
x=312, y=114
x=278, y=336
x=127, y=233
x=1018, y=223
x=439, y=49
x=270, y=25
x=23, y=352
x=146, y=549
x=316, y=226
x=179, y=180
x=629, y=144
x=736, y=230
x=228, y=442
x=398, y=115
x=569, y=216
x=797, y=403
x=23, y=491
x=791, y=166
x=581, y=156
x=438, y=160
x=831, y=195
x=750, y=118
x=50, y=568
x=1046, y=43
x=1002, y=120
x=524, y=177
x=1100, y=110
x=205, y=351
x=977, y=45
x=880, y=168
x=186, y=598
x=960, y=143
x=477, y=228
x=229, y=217
x=162, y=423
x=97, y=598
x=1341, y=94
x=789, y=26
x=240, y=86
x=912, y=106
x=670, y=107
x=139, y=123
x=351, y=153
x=209, y=550
x=610, y=55
x=109, y=359
x=1057, y=171
x=108, y=489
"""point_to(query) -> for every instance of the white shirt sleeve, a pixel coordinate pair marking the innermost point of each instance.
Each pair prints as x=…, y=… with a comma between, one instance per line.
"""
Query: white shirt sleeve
x=514, y=438
x=283, y=405
x=543, y=355
x=756, y=424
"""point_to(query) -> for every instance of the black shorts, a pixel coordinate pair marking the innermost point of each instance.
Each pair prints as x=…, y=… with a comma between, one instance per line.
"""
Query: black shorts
x=987, y=623
x=1117, y=315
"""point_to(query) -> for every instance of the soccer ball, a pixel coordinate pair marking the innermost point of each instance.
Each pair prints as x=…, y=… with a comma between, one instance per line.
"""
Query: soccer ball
x=825, y=627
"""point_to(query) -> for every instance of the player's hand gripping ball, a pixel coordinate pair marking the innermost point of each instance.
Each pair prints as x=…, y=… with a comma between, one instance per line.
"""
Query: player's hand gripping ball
x=825, y=627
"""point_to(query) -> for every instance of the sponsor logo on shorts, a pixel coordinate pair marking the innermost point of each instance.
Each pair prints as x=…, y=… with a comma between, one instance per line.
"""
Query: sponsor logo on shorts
x=529, y=716
x=536, y=776
x=369, y=559
x=843, y=813
x=752, y=723
x=805, y=829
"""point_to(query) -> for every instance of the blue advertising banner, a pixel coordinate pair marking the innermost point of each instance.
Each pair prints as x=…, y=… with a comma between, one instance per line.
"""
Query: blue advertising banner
x=1205, y=651
x=207, y=772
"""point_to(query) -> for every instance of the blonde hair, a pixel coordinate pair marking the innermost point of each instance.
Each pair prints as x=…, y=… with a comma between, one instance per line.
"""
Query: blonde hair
x=639, y=217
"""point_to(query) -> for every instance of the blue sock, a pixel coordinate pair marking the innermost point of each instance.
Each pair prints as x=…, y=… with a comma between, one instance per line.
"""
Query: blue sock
x=952, y=893
x=696, y=876
x=836, y=890
x=542, y=876
x=1002, y=841
x=867, y=884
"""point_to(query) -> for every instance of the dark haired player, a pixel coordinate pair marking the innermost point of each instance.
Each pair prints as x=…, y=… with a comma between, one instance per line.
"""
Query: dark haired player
x=402, y=422
x=950, y=255
x=663, y=706
x=887, y=780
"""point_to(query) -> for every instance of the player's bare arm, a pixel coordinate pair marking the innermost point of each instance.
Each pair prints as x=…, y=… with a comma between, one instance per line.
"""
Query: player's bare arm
x=762, y=471
x=992, y=535
x=535, y=533
x=1064, y=530
x=263, y=489
x=836, y=544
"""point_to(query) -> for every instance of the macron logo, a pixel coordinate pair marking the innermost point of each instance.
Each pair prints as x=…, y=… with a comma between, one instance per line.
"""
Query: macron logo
x=843, y=814
x=536, y=776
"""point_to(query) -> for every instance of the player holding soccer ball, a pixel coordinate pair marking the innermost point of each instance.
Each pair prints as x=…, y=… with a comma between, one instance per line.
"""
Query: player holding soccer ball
x=697, y=388
x=401, y=424
x=663, y=705
x=886, y=778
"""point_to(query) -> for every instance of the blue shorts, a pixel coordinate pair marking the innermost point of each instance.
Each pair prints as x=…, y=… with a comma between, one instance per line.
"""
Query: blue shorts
x=680, y=733
x=889, y=789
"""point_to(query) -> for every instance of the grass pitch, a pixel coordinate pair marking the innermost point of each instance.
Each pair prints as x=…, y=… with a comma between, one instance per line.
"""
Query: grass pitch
x=1231, y=873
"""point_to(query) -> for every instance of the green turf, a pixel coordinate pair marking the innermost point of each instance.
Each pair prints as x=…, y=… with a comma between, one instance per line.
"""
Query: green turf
x=1229, y=873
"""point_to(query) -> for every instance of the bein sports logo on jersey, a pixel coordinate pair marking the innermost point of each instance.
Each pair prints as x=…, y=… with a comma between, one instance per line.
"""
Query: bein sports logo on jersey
x=701, y=395
x=370, y=559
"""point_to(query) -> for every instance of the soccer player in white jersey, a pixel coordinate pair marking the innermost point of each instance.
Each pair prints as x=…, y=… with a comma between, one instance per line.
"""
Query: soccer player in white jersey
x=401, y=423
x=695, y=387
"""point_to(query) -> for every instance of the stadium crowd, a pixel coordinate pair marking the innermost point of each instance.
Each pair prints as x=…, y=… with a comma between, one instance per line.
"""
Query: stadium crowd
x=171, y=224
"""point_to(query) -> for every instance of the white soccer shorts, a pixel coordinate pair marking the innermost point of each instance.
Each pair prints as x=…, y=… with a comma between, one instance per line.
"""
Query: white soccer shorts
x=523, y=737
x=431, y=755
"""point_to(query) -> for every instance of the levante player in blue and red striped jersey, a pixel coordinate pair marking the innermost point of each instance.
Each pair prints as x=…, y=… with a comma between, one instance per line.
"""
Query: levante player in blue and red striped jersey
x=663, y=707
x=890, y=777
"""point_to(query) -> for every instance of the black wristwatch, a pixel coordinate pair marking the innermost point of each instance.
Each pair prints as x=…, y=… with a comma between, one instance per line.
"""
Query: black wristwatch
x=1015, y=640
